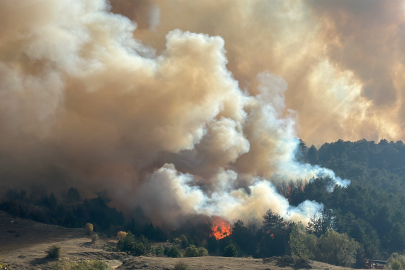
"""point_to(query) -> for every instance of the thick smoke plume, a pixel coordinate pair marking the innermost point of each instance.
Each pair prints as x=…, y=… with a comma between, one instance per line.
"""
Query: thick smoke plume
x=167, y=129
x=342, y=59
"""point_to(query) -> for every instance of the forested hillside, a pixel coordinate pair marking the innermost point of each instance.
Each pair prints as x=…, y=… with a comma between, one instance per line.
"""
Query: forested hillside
x=372, y=208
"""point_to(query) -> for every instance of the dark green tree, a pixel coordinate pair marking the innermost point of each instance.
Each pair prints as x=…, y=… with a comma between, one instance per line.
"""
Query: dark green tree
x=230, y=251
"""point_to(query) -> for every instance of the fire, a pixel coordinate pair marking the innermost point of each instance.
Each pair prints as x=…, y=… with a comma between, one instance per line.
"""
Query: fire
x=271, y=235
x=220, y=228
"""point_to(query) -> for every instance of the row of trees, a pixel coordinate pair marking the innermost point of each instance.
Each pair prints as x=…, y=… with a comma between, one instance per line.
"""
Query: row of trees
x=71, y=211
x=318, y=241
x=274, y=237
x=331, y=247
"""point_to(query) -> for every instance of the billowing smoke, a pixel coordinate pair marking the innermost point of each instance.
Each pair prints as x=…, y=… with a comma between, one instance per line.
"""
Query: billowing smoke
x=145, y=13
x=342, y=59
x=83, y=103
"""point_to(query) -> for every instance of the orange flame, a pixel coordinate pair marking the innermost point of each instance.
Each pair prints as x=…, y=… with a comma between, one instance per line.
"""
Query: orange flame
x=220, y=228
x=271, y=235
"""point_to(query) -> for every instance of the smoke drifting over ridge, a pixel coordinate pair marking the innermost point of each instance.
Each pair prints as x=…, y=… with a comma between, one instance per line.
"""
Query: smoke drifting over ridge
x=83, y=103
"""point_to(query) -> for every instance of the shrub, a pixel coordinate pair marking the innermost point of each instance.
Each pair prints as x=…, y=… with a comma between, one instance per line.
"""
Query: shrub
x=94, y=238
x=159, y=251
x=166, y=251
x=54, y=252
x=202, y=252
x=181, y=266
x=89, y=229
x=177, y=241
x=192, y=251
x=110, y=247
x=134, y=246
x=139, y=249
x=121, y=234
x=336, y=248
x=126, y=243
x=230, y=251
x=172, y=252
x=395, y=265
x=396, y=261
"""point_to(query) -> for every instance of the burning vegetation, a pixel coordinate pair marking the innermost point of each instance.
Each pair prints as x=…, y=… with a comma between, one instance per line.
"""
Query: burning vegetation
x=220, y=228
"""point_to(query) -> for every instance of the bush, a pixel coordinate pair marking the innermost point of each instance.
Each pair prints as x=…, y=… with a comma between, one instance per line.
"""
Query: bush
x=396, y=261
x=395, y=265
x=230, y=251
x=110, y=247
x=172, y=252
x=192, y=251
x=134, y=246
x=202, y=252
x=336, y=248
x=159, y=251
x=121, y=234
x=94, y=238
x=177, y=241
x=54, y=252
x=89, y=229
x=126, y=243
x=181, y=266
x=139, y=249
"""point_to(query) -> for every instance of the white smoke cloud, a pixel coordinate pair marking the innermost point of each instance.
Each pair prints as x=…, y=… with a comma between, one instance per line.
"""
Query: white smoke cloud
x=183, y=192
x=169, y=196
